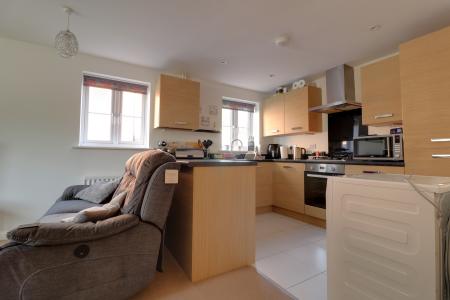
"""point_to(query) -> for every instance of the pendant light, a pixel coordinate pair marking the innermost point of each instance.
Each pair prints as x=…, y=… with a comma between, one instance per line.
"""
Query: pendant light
x=65, y=41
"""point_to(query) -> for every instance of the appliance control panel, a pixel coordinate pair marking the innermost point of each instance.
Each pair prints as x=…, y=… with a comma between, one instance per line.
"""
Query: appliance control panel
x=397, y=146
x=325, y=168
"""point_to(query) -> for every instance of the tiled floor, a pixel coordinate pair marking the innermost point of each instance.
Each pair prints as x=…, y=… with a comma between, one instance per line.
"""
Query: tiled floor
x=292, y=254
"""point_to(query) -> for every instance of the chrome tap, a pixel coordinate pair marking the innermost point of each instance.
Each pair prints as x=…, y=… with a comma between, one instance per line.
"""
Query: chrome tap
x=239, y=147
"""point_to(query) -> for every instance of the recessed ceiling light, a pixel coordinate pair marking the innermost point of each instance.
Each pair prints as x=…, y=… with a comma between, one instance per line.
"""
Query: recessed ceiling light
x=223, y=61
x=281, y=40
x=271, y=75
x=375, y=27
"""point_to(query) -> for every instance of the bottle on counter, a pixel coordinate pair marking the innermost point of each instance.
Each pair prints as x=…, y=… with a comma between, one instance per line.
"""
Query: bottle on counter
x=251, y=143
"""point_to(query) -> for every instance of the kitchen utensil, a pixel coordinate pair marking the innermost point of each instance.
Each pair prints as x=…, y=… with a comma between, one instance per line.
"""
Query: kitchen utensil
x=273, y=151
x=297, y=152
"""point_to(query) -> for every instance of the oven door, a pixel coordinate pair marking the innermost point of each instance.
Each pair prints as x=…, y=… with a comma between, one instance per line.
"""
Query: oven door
x=376, y=148
x=316, y=188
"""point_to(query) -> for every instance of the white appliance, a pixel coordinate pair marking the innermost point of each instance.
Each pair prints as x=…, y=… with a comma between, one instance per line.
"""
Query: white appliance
x=284, y=152
x=384, y=239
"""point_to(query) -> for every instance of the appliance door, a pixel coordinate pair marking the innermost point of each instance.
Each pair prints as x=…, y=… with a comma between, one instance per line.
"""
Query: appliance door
x=316, y=188
x=373, y=148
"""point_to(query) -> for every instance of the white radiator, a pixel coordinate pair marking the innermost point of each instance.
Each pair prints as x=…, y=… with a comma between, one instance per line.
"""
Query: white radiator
x=89, y=180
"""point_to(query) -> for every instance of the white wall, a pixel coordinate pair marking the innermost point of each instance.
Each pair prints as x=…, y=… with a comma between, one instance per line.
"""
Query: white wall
x=39, y=126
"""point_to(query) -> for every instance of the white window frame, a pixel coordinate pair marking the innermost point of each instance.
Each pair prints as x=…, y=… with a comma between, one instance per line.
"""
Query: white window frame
x=253, y=125
x=116, y=107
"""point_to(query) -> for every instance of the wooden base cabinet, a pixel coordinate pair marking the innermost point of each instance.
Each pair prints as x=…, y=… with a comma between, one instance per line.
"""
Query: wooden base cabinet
x=380, y=92
x=425, y=88
x=361, y=169
x=264, y=184
x=211, y=225
x=288, y=186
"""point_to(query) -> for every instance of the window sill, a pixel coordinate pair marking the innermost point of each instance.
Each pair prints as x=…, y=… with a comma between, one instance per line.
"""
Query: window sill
x=110, y=147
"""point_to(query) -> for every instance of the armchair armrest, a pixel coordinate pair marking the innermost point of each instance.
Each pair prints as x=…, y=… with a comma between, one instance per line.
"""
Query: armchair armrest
x=70, y=192
x=45, y=234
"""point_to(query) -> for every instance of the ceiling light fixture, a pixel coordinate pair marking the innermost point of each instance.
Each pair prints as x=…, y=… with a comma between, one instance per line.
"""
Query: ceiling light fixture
x=65, y=41
x=282, y=40
x=375, y=27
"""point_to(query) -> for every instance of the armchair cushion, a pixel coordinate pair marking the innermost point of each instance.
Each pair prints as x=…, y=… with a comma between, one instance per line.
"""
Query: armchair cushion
x=138, y=170
x=44, y=234
x=69, y=206
x=93, y=214
x=70, y=192
x=97, y=193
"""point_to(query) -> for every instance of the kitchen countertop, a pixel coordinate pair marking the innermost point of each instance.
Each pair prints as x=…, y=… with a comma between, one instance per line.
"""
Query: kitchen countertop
x=216, y=162
x=242, y=162
x=346, y=162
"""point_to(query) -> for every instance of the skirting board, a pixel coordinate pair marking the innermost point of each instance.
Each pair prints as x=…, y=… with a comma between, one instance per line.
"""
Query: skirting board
x=299, y=216
x=263, y=209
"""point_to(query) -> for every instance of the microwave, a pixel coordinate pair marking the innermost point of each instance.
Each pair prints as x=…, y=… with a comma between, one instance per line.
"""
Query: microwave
x=378, y=147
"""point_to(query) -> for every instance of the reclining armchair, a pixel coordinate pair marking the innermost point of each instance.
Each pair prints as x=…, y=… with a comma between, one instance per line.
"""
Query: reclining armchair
x=109, y=259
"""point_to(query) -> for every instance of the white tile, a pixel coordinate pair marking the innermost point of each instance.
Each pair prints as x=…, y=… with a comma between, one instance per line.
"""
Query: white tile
x=311, y=289
x=288, y=251
x=312, y=255
x=287, y=270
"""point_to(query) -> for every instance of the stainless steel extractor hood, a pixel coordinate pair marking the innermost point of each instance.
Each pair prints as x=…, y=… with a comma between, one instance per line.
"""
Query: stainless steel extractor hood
x=340, y=91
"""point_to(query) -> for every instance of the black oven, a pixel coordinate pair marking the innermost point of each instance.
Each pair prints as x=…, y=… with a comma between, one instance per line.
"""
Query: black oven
x=316, y=175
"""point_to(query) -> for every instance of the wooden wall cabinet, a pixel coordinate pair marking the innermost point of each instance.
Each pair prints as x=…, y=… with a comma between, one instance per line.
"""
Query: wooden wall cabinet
x=361, y=169
x=288, y=186
x=425, y=88
x=297, y=118
x=264, y=181
x=177, y=103
x=380, y=92
x=289, y=113
x=273, y=115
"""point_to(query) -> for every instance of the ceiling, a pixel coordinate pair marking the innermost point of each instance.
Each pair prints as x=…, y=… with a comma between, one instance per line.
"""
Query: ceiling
x=194, y=35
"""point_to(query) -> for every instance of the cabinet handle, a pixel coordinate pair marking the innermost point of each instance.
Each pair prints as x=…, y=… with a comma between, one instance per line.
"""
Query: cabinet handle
x=317, y=176
x=275, y=130
x=440, y=155
x=287, y=167
x=181, y=123
x=384, y=116
x=296, y=128
x=440, y=140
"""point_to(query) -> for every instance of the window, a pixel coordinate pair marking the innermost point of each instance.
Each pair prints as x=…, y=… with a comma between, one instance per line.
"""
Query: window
x=114, y=113
x=238, y=124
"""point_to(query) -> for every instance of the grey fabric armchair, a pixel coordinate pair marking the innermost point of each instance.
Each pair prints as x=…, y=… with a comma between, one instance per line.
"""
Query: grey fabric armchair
x=110, y=259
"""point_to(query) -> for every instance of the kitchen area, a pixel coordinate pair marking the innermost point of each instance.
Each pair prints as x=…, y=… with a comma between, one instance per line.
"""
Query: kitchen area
x=370, y=119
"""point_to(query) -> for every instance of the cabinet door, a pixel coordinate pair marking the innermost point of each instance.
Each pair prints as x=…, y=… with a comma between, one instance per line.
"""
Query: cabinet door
x=297, y=118
x=425, y=77
x=273, y=115
x=380, y=92
x=177, y=103
x=361, y=169
x=264, y=184
x=296, y=111
x=288, y=191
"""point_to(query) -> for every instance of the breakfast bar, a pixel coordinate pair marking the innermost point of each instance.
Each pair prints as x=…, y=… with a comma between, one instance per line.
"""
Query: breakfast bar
x=211, y=225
